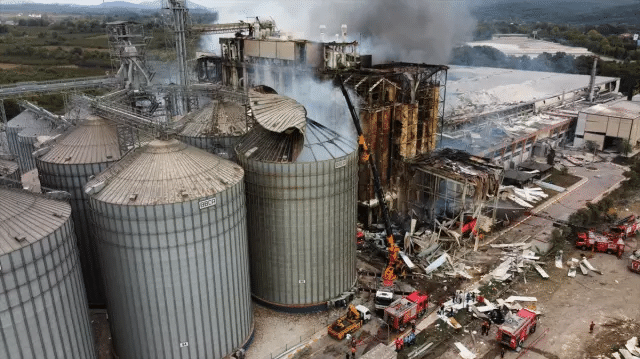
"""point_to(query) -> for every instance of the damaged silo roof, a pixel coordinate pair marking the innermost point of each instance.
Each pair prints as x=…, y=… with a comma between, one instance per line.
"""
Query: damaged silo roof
x=277, y=113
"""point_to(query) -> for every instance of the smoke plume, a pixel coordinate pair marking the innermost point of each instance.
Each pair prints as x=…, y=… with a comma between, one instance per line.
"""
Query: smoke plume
x=401, y=30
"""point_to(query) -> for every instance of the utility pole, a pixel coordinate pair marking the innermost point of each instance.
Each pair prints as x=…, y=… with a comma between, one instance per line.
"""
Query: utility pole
x=592, y=80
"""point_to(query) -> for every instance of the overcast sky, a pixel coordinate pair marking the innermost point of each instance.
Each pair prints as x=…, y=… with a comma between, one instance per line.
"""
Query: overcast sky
x=98, y=2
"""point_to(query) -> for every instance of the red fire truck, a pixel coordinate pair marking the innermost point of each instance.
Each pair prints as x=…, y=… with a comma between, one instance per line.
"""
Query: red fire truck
x=516, y=328
x=600, y=242
x=401, y=312
x=634, y=261
x=628, y=226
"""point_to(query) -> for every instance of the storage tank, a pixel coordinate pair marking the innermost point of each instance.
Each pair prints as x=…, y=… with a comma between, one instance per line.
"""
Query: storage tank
x=9, y=173
x=43, y=308
x=171, y=224
x=215, y=128
x=66, y=164
x=301, y=204
x=21, y=133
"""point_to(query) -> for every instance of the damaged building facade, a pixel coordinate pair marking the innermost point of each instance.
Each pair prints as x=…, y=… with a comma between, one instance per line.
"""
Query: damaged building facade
x=510, y=116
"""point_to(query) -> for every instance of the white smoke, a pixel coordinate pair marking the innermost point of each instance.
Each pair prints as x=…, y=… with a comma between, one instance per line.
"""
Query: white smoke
x=323, y=101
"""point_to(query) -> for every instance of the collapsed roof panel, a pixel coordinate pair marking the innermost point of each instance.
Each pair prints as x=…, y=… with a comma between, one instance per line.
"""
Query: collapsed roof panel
x=277, y=113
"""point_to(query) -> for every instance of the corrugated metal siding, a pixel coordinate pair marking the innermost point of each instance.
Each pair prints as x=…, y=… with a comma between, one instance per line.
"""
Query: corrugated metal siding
x=175, y=273
x=23, y=148
x=72, y=178
x=43, y=308
x=303, y=226
x=85, y=151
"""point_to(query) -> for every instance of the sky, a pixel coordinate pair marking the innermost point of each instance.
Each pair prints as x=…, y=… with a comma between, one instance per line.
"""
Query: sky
x=98, y=2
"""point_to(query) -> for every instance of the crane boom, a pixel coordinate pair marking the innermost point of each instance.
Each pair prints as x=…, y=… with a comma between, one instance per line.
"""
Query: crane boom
x=389, y=275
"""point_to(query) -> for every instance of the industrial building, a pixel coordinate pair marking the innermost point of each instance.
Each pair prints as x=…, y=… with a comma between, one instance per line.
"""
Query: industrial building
x=524, y=45
x=191, y=198
x=609, y=123
x=400, y=104
x=511, y=115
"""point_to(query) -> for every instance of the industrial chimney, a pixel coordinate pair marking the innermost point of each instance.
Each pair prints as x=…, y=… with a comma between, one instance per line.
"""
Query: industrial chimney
x=322, y=29
x=344, y=32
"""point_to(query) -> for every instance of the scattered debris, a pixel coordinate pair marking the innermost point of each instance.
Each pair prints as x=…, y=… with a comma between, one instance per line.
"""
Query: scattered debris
x=632, y=346
x=586, y=263
x=507, y=245
x=559, y=260
x=464, y=352
x=583, y=269
x=437, y=263
x=514, y=298
x=541, y=271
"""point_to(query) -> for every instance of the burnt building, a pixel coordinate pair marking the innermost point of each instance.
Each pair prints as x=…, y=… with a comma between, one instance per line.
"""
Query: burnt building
x=400, y=104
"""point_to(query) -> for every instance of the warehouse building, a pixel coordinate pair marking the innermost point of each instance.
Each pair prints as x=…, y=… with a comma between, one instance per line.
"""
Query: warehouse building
x=609, y=124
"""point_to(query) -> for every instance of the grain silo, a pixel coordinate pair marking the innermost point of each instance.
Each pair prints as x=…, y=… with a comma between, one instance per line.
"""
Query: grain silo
x=21, y=134
x=9, y=173
x=171, y=223
x=43, y=308
x=66, y=164
x=215, y=128
x=301, y=184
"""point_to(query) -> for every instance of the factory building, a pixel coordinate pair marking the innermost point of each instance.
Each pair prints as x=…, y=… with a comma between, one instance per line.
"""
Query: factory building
x=609, y=123
x=400, y=104
x=511, y=115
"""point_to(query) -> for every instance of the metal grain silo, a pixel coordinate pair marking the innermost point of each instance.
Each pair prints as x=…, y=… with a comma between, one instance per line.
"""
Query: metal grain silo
x=21, y=133
x=301, y=204
x=171, y=224
x=43, y=308
x=9, y=171
x=81, y=152
x=215, y=128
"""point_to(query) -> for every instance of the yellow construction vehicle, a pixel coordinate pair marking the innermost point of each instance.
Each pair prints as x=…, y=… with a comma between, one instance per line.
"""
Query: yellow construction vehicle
x=350, y=322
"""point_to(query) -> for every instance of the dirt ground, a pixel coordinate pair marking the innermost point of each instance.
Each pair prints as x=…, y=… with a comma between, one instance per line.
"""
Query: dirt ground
x=568, y=306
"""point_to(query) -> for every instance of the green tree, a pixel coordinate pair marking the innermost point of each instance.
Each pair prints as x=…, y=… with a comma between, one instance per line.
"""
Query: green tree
x=624, y=146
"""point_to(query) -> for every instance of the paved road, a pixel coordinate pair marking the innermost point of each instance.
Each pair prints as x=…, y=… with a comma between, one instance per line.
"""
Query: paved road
x=597, y=183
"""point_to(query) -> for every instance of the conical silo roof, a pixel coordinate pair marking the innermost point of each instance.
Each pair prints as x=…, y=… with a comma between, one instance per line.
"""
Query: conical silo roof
x=26, y=218
x=93, y=140
x=164, y=172
x=8, y=168
x=214, y=119
x=27, y=119
x=319, y=143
